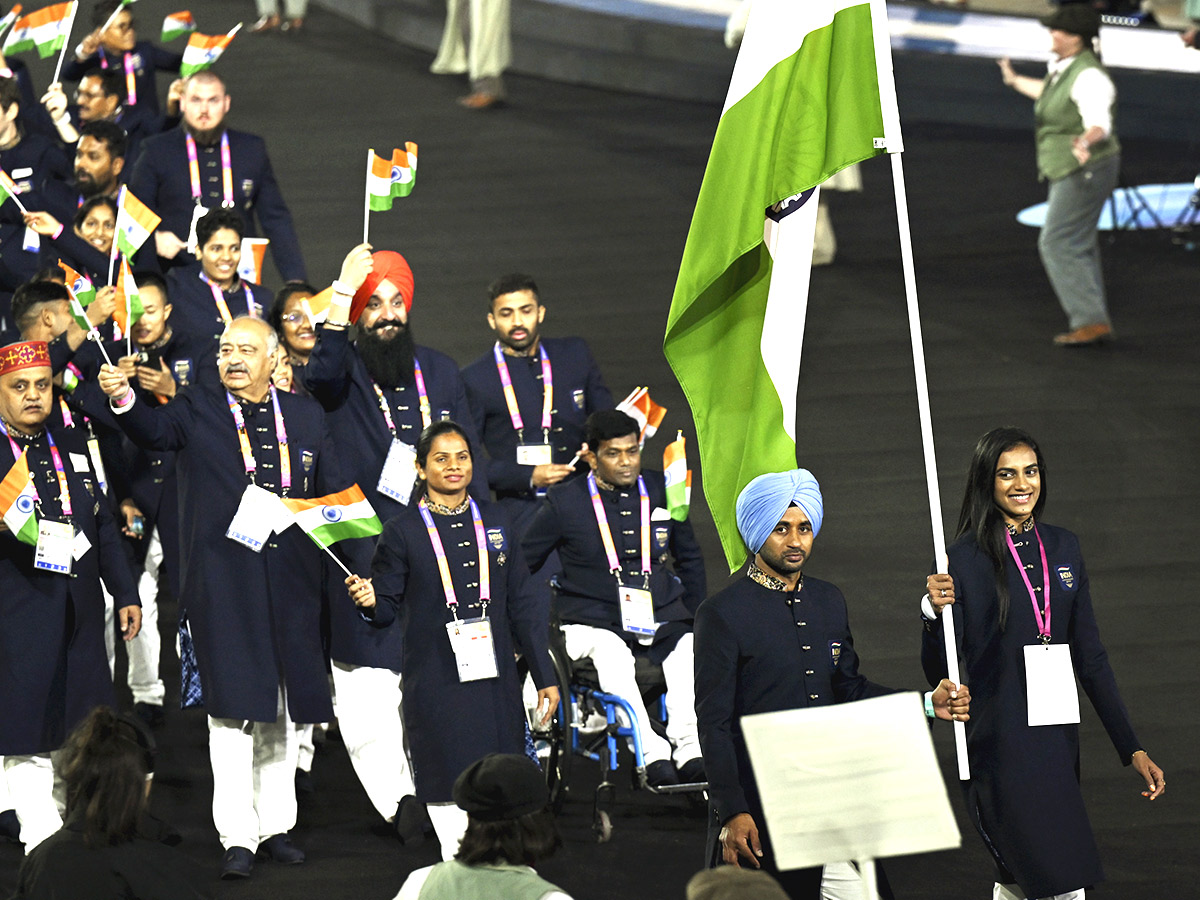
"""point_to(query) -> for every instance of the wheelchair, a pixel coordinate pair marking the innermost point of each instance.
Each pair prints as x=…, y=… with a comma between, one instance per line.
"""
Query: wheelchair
x=568, y=736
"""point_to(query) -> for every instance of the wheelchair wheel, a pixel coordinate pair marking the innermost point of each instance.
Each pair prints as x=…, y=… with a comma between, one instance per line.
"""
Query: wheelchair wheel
x=553, y=742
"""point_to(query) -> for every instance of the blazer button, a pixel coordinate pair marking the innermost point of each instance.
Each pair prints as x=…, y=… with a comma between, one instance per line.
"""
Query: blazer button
x=808, y=672
x=814, y=697
x=806, y=648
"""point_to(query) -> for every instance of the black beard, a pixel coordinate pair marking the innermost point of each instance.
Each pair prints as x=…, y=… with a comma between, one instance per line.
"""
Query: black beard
x=389, y=362
x=205, y=137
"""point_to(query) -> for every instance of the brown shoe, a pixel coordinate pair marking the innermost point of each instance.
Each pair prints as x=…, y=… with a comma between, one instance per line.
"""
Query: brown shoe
x=265, y=24
x=292, y=27
x=1088, y=334
x=480, y=100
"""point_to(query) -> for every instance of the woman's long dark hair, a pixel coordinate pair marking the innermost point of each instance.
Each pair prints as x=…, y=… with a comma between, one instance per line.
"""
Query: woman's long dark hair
x=523, y=841
x=425, y=444
x=105, y=770
x=980, y=517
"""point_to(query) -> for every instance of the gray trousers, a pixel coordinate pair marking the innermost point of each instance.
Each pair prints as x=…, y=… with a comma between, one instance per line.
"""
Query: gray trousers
x=1069, y=246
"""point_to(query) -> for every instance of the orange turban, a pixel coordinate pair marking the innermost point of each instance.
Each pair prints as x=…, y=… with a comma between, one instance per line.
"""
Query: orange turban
x=389, y=266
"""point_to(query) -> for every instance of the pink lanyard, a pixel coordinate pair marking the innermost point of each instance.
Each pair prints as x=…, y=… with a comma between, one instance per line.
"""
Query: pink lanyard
x=130, y=76
x=1043, y=621
x=226, y=171
x=422, y=394
x=485, y=577
x=285, y=459
x=510, y=396
x=64, y=492
x=68, y=419
x=223, y=304
x=606, y=538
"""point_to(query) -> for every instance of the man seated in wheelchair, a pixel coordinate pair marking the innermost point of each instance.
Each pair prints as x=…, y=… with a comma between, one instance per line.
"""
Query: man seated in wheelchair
x=617, y=596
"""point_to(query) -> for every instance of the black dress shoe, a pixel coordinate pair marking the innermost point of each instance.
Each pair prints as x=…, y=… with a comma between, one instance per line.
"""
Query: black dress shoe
x=692, y=771
x=410, y=819
x=150, y=713
x=238, y=863
x=280, y=848
x=305, y=783
x=10, y=826
x=662, y=773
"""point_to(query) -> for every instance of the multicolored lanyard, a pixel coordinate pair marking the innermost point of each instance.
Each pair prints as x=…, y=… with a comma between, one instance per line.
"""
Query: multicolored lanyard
x=285, y=459
x=68, y=419
x=606, y=538
x=130, y=76
x=226, y=171
x=1043, y=619
x=485, y=572
x=219, y=299
x=423, y=398
x=64, y=492
x=510, y=396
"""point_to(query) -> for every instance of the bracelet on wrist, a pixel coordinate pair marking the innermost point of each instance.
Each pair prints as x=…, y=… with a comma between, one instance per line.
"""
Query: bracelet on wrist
x=929, y=712
x=341, y=289
x=124, y=401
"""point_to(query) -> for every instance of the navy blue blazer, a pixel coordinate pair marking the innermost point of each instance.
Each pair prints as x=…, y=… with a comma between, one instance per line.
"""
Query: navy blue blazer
x=30, y=163
x=194, y=314
x=579, y=391
x=160, y=179
x=255, y=617
x=1024, y=792
x=146, y=58
x=587, y=590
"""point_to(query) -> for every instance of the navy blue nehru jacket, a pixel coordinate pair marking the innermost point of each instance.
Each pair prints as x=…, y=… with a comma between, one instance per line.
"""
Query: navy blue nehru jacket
x=762, y=650
x=162, y=181
x=144, y=59
x=587, y=588
x=579, y=391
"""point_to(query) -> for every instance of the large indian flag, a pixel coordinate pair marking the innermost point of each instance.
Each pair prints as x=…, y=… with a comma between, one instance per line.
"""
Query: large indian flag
x=17, y=499
x=812, y=92
x=335, y=517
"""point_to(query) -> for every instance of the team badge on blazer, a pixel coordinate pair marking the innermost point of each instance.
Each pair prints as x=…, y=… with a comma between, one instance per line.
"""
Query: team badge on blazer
x=1066, y=576
x=183, y=372
x=579, y=399
x=496, y=540
x=443, y=414
x=247, y=186
x=306, y=460
x=661, y=535
x=835, y=653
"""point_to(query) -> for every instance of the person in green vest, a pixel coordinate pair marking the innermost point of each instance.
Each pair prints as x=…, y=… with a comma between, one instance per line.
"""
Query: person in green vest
x=1078, y=153
x=510, y=828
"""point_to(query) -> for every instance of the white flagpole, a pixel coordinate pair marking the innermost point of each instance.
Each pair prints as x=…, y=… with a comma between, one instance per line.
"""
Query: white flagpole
x=367, y=197
x=116, y=12
x=894, y=143
x=66, y=42
x=112, y=251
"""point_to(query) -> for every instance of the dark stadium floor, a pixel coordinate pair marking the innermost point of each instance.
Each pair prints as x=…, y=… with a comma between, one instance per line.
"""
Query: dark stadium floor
x=592, y=193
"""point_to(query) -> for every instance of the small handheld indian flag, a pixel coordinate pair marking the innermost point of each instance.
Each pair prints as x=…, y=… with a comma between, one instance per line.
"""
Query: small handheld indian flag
x=678, y=477
x=129, y=302
x=392, y=178
x=646, y=412
x=8, y=189
x=17, y=499
x=82, y=292
x=46, y=30
x=203, y=50
x=177, y=24
x=317, y=306
x=10, y=17
x=135, y=222
x=254, y=251
x=335, y=517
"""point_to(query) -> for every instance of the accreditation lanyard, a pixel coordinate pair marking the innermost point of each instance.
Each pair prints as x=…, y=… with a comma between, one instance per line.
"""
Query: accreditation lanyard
x=606, y=538
x=130, y=76
x=222, y=303
x=510, y=396
x=485, y=579
x=226, y=171
x=1043, y=617
x=68, y=419
x=285, y=459
x=423, y=399
x=64, y=492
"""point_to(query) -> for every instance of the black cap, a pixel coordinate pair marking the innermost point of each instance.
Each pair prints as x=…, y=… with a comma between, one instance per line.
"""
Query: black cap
x=501, y=786
x=1075, y=18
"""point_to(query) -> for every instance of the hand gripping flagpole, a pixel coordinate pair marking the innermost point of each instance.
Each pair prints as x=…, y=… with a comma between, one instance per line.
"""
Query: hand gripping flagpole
x=895, y=147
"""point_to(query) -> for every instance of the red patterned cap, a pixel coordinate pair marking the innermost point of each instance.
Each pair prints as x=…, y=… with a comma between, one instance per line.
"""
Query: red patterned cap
x=389, y=266
x=29, y=355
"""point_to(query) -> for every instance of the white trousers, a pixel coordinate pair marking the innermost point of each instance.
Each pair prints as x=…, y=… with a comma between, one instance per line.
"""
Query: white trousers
x=36, y=795
x=841, y=881
x=450, y=824
x=254, y=777
x=145, y=649
x=1005, y=892
x=368, y=708
x=477, y=40
x=614, y=666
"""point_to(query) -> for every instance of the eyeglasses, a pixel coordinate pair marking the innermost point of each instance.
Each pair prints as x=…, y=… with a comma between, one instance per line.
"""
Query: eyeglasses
x=295, y=318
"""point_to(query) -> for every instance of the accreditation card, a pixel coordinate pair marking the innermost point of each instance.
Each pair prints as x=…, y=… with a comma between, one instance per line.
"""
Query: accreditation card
x=534, y=454
x=1050, y=685
x=399, y=472
x=474, y=652
x=637, y=610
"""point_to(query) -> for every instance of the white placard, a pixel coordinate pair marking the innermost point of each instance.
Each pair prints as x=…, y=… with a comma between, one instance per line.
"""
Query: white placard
x=1050, y=685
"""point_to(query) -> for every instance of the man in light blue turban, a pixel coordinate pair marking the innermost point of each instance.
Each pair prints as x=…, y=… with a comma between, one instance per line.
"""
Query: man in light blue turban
x=777, y=639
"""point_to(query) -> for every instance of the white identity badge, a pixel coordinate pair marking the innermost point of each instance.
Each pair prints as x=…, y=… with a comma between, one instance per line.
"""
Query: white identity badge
x=257, y=516
x=474, y=652
x=399, y=472
x=198, y=212
x=80, y=545
x=55, y=547
x=32, y=241
x=1050, y=685
x=93, y=446
x=79, y=462
x=637, y=610
x=534, y=454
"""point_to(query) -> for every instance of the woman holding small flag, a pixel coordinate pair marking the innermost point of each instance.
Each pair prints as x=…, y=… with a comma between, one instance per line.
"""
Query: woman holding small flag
x=450, y=569
x=86, y=245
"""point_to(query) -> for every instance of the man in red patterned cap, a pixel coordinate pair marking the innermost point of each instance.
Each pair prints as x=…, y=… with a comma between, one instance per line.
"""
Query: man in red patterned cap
x=379, y=391
x=58, y=542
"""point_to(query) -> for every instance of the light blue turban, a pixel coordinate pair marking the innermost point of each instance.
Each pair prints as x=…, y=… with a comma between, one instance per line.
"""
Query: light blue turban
x=762, y=503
